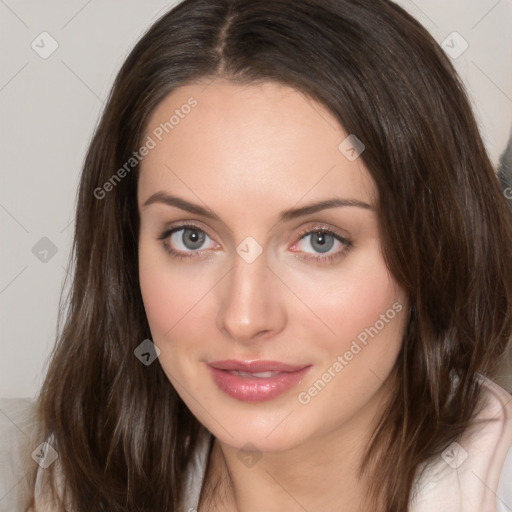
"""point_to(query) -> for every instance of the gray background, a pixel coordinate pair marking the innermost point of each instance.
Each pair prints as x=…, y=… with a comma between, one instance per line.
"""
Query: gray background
x=50, y=106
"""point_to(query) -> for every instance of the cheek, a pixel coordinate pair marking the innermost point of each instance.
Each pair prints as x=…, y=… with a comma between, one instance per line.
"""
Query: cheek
x=175, y=295
x=348, y=300
x=363, y=317
x=328, y=308
x=355, y=334
x=164, y=298
x=156, y=288
x=169, y=289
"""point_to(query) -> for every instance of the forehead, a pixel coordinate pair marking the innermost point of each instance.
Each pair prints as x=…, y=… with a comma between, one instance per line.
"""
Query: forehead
x=259, y=144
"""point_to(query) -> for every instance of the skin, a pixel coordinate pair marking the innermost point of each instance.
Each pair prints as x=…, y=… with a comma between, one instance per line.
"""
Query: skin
x=247, y=153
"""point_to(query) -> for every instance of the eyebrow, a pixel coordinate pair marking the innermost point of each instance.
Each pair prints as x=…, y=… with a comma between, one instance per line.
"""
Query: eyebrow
x=286, y=215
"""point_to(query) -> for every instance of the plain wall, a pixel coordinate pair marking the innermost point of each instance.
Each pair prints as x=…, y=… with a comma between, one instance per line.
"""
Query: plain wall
x=50, y=106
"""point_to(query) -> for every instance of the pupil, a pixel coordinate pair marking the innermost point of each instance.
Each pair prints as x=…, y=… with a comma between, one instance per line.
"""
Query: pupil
x=193, y=239
x=322, y=242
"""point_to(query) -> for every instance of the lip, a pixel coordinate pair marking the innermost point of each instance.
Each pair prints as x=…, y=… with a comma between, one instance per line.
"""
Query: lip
x=256, y=389
x=256, y=366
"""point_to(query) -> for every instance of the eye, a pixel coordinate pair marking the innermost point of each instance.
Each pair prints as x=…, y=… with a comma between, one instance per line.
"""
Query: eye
x=188, y=240
x=185, y=241
x=324, y=243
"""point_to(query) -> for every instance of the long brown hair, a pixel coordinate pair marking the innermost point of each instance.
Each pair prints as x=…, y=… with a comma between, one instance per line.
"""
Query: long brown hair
x=123, y=434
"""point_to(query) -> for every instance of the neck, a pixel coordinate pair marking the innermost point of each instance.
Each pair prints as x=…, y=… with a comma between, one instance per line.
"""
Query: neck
x=320, y=474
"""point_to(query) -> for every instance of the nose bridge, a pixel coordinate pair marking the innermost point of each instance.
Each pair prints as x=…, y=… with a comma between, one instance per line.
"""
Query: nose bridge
x=249, y=305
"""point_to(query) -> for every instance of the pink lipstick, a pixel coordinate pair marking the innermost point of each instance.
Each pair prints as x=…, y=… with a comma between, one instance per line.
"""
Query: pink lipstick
x=256, y=381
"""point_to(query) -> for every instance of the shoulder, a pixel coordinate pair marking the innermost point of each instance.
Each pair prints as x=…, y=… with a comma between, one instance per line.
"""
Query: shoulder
x=24, y=458
x=44, y=500
x=18, y=447
x=473, y=474
x=500, y=473
x=17, y=426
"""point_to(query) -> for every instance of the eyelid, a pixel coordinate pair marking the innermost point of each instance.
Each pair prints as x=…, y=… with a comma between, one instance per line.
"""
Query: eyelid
x=323, y=227
x=177, y=254
x=166, y=231
x=317, y=227
x=345, y=242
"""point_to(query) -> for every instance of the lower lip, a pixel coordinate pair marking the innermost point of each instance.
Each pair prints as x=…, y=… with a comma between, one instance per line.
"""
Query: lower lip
x=253, y=389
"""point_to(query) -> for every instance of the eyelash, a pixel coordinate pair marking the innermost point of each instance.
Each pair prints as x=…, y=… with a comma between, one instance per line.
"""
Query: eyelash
x=327, y=231
x=164, y=238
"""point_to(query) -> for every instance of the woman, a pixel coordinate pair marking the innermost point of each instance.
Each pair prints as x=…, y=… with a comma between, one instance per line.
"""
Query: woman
x=292, y=279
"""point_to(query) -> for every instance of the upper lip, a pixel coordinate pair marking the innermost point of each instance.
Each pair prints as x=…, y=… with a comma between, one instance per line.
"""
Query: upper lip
x=256, y=366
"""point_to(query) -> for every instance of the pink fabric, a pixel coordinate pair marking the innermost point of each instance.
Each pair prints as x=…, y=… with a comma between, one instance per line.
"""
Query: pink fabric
x=467, y=477
x=470, y=477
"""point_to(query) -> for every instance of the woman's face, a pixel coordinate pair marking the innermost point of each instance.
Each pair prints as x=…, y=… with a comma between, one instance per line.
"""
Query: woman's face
x=234, y=182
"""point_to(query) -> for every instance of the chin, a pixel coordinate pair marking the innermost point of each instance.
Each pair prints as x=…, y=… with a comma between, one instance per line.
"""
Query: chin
x=268, y=433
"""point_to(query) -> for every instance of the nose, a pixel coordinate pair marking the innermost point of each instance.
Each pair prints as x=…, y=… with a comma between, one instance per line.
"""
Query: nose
x=250, y=298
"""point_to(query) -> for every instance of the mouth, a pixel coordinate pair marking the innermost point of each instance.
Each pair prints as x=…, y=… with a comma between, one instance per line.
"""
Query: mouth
x=258, y=375
x=256, y=381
